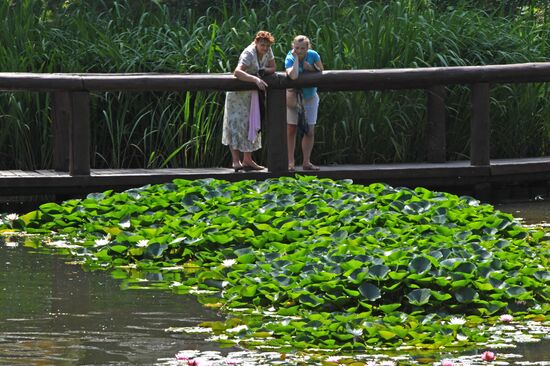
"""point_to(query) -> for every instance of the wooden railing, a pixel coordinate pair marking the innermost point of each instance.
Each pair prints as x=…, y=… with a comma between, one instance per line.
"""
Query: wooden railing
x=71, y=101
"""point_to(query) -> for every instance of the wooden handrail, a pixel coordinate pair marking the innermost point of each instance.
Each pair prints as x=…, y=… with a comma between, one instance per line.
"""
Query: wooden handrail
x=71, y=101
x=336, y=80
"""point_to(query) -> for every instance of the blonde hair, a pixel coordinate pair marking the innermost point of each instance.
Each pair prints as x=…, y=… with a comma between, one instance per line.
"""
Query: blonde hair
x=302, y=38
x=264, y=35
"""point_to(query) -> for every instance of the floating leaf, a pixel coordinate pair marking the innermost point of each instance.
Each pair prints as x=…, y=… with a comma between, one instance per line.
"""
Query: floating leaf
x=155, y=250
x=515, y=291
x=370, y=291
x=419, y=297
x=465, y=295
x=378, y=271
x=420, y=265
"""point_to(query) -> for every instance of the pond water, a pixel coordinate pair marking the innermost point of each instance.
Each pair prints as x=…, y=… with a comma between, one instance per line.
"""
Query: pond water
x=55, y=313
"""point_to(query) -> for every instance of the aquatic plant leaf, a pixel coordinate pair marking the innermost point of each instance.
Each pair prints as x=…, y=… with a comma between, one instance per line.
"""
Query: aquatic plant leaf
x=378, y=271
x=370, y=291
x=466, y=294
x=419, y=296
x=387, y=335
x=310, y=300
x=96, y=196
x=155, y=250
x=389, y=308
x=440, y=296
x=515, y=291
x=466, y=267
x=420, y=265
x=31, y=216
x=542, y=276
x=249, y=291
x=119, y=248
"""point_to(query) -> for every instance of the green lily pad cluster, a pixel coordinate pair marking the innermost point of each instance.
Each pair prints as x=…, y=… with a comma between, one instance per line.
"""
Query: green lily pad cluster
x=315, y=263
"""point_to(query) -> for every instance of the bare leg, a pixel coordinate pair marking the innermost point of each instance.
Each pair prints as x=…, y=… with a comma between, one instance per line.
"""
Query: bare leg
x=291, y=143
x=307, y=145
x=235, y=156
x=235, y=159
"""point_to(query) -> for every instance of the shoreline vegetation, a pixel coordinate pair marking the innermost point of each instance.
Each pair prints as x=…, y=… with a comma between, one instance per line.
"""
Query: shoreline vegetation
x=152, y=130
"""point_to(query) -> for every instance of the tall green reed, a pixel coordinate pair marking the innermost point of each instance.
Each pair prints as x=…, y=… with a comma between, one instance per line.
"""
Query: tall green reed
x=184, y=129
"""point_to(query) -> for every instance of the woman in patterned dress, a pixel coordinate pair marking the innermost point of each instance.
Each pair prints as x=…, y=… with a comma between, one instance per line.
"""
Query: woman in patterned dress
x=256, y=59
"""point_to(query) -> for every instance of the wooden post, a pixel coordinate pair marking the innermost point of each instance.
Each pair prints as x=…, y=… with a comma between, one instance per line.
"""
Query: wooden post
x=277, y=155
x=480, y=125
x=61, y=122
x=79, y=142
x=437, y=129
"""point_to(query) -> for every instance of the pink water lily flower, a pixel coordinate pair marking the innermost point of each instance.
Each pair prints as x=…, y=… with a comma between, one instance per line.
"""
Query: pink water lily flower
x=198, y=362
x=506, y=318
x=181, y=357
x=447, y=363
x=488, y=356
x=334, y=359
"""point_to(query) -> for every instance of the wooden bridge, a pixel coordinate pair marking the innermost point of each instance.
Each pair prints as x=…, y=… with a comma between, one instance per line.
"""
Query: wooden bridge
x=71, y=173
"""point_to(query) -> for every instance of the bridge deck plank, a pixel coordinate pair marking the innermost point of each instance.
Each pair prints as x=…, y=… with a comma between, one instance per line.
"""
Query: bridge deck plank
x=440, y=175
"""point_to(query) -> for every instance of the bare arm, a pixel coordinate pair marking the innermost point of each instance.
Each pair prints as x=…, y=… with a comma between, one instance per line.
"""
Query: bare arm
x=317, y=66
x=293, y=71
x=241, y=74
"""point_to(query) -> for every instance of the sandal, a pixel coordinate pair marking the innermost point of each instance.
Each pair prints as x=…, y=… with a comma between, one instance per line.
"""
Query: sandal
x=291, y=167
x=310, y=167
x=237, y=167
x=248, y=168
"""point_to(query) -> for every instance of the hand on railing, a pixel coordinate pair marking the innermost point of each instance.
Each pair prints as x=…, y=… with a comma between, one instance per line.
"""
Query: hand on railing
x=262, y=85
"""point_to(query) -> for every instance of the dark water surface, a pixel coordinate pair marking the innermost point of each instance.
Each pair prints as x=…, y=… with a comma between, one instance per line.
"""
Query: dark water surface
x=54, y=313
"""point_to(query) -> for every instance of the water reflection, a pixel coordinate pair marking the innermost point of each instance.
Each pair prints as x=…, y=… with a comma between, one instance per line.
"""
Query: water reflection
x=535, y=212
x=52, y=313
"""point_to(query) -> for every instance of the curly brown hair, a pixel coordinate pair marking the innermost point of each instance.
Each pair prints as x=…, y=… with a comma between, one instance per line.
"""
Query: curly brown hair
x=264, y=35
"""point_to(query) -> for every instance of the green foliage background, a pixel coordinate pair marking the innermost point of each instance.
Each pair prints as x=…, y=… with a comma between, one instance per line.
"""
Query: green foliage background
x=184, y=129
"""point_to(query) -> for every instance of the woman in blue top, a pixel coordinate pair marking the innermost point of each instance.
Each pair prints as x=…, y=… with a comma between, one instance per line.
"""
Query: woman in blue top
x=301, y=59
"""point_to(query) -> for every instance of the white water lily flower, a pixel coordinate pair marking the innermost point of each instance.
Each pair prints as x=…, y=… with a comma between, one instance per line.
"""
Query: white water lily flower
x=125, y=224
x=356, y=332
x=177, y=240
x=457, y=321
x=11, y=244
x=237, y=329
x=142, y=243
x=62, y=244
x=461, y=337
x=12, y=217
x=228, y=262
x=101, y=242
